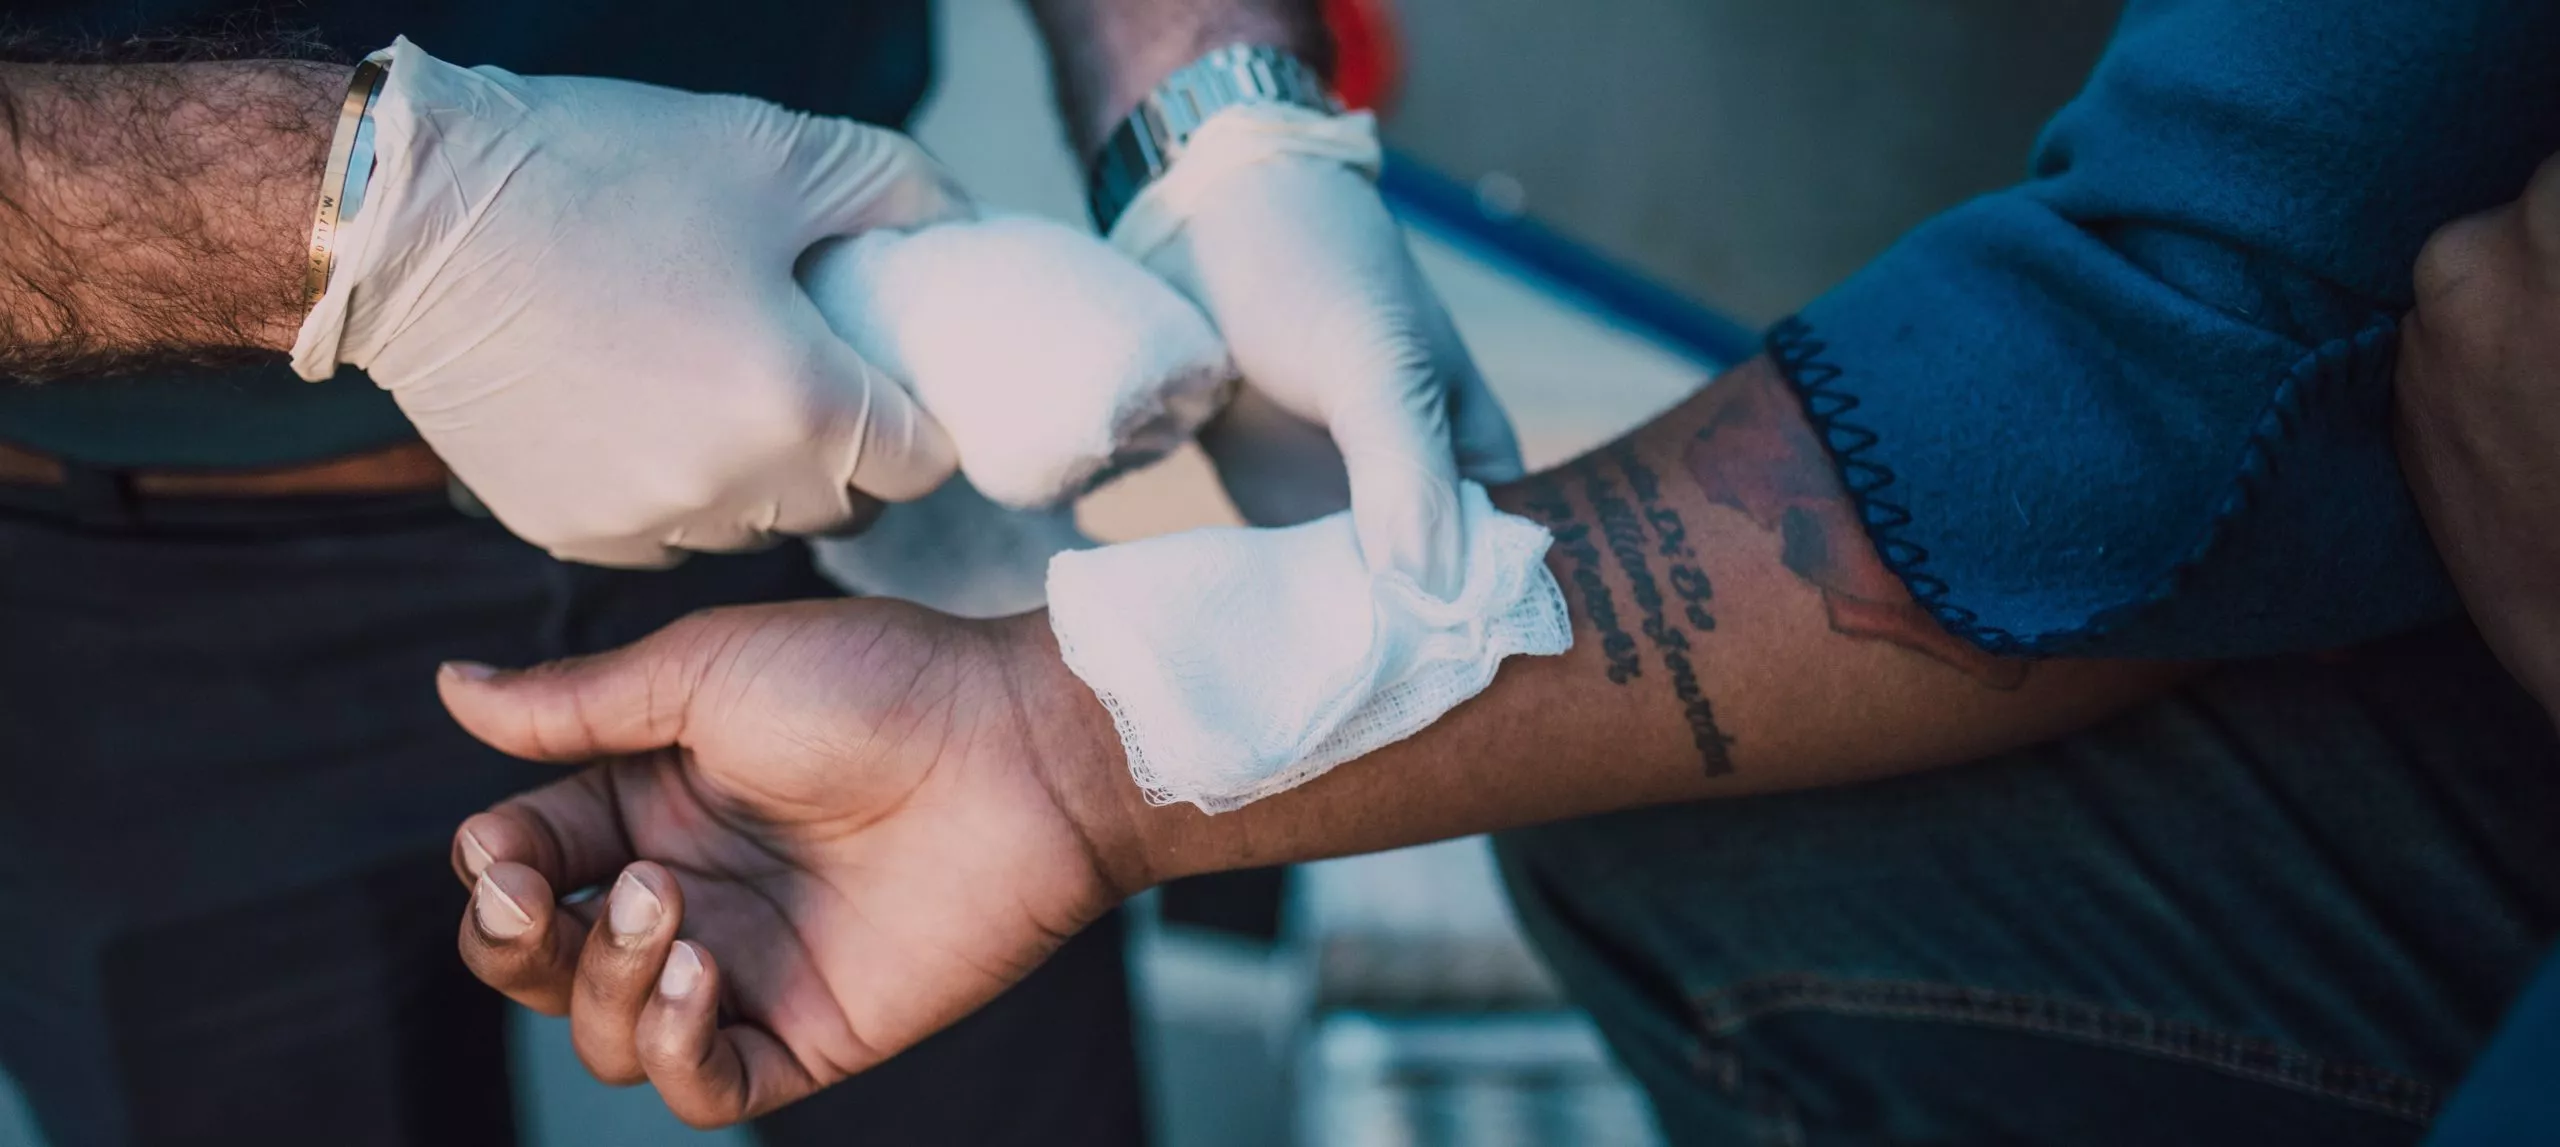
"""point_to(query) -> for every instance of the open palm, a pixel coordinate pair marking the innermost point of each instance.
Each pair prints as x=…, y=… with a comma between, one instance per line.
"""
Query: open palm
x=838, y=799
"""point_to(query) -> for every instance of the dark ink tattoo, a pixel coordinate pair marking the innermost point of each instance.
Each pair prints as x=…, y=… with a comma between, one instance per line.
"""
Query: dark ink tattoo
x=1625, y=530
x=1573, y=538
x=1756, y=456
x=1688, y=582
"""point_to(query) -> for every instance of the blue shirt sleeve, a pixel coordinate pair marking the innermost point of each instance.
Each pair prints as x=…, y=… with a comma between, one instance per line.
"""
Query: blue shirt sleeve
x=2139, y=405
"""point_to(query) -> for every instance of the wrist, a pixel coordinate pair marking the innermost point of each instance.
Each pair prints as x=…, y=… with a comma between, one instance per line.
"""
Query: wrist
x=166, y=209
x=344, y=175
x=1129, y=58
x=279, y=172
x=303, y=98
x=1075, y=751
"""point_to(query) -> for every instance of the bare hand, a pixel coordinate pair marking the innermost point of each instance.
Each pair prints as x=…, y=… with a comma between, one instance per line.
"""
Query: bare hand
x=841, y=799
x=2479, y=408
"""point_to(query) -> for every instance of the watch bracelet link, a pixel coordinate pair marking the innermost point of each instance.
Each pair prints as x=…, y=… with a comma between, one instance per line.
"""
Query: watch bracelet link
x=1153, y=136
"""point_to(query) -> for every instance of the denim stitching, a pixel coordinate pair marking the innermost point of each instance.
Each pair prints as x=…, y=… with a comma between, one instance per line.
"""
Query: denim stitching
x=1723, y=1012
x=1770, y=1110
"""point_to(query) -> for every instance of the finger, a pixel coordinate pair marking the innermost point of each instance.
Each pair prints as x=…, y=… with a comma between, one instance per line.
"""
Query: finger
x=1488, y=450
x=569, y=831
x=1403, y=472
x=618, y=969
x=855, y=177
x=708, y=1075
x=616, y=553
x=890, y=447
x=628, y=700
x=515, y=939
x=1407, y=520
x=519, y=858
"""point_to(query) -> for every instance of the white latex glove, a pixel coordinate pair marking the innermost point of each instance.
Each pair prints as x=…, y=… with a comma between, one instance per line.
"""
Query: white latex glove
x=1270, y=221
x=581, y=292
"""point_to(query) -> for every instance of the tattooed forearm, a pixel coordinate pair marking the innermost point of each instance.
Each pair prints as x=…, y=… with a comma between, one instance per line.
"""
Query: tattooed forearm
x=1623, y=529
x=1755, y=455
x=1626, y=535
x=1711, y=659
x=152, y=213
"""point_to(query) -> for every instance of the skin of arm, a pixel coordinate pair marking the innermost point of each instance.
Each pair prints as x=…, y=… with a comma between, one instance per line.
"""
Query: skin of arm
x=156, y=213
x=1734, y=633
x=879, y=817
x=1108, y=54
x=2479, y=421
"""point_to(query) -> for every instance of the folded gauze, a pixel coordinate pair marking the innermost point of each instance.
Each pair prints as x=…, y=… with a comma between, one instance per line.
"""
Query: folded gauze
x=1237, y=663
x=1052, y=360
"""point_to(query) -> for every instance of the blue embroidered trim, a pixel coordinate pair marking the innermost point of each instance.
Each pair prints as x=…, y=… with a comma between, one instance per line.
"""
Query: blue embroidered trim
x=1799, y=356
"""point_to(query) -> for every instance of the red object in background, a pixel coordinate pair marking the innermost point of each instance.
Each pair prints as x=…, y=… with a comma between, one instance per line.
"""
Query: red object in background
x=1366, y=61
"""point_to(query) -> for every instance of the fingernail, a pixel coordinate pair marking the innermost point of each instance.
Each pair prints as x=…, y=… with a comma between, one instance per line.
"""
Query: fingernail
x=633, y=909
x=683, y=971
x=475, y=857
x=468, y=670
x=497, y=912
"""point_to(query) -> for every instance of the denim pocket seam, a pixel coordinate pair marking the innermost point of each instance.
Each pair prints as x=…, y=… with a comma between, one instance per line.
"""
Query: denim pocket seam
x=1723, y=1012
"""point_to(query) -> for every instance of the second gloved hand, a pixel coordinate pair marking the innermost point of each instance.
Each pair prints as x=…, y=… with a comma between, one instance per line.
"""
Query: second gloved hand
x=1269, y=221
x=581, y=293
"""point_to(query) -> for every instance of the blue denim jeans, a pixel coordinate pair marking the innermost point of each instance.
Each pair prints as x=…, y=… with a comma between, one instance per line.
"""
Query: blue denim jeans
x=2285, y=904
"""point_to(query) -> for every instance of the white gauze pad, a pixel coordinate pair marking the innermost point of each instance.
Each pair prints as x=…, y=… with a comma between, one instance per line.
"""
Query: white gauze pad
x=1238, y=663
x=1052, y=360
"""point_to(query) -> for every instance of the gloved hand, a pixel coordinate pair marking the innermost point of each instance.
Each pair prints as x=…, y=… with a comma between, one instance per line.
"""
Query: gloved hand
x=581, y=292
x=1270, y=222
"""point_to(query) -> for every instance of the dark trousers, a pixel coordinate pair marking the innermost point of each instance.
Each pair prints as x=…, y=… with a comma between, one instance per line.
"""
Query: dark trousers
x=2285, y=905
x=226, y=792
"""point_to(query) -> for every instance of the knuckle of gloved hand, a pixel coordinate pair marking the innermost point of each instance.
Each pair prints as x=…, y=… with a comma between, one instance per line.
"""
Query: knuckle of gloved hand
x=628, y=525
x=909, y=183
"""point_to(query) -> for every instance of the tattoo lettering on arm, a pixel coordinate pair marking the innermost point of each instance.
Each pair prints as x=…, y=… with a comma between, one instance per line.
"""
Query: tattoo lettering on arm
x=1755, y=456
x=1573, y=539
x=1626, y=534
x=1688, y=581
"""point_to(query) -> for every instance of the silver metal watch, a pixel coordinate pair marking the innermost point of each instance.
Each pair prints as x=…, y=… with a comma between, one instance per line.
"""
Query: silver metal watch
x=1153, y=136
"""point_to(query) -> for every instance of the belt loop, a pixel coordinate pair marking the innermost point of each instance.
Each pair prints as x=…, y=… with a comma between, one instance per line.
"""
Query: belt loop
x=99, y=497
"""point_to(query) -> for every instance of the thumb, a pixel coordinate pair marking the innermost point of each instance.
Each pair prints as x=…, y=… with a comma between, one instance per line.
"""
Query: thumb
x=854, y=177
x=628, y=700
x=1488, y=450
x=899, y=451
x=1397, y=456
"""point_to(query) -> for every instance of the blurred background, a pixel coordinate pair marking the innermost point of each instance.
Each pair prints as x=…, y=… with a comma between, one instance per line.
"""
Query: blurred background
x=1609, y=194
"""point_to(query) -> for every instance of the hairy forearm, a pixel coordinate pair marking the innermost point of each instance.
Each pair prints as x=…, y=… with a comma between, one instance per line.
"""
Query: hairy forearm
x=1107, y=54
x=156, y=212
x=1734, y=633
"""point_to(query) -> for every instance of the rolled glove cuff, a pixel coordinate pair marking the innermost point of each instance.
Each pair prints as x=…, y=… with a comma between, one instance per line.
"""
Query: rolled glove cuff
x=392, y=250
x=1234, y=140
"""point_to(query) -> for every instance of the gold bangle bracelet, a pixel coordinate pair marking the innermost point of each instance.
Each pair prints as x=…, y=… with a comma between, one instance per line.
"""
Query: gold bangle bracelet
x=361, y=89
